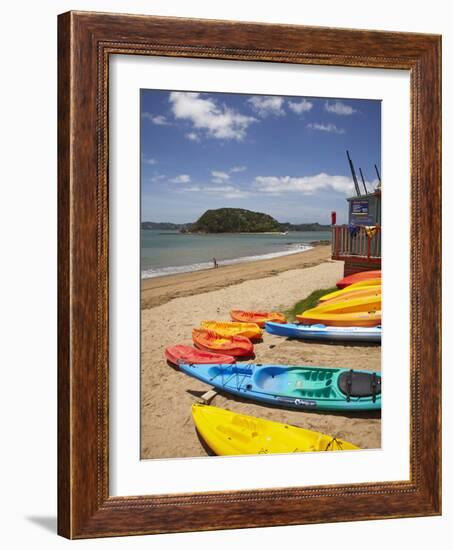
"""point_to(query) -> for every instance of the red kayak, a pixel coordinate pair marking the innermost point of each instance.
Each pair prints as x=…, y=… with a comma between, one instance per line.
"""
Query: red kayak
x=188, y=355
x=358, y=277
x=209, y=340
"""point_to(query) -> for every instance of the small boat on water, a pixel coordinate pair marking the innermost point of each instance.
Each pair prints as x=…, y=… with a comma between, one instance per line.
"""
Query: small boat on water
x=257, y=317
x=208, y=340
x=325, y=333
x=249, y=330
x=187, y=354
x=229, y=433
x=296, y=387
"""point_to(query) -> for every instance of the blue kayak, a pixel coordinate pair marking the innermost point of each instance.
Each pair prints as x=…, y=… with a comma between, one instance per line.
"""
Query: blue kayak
x=324, y=332
x=305, y=387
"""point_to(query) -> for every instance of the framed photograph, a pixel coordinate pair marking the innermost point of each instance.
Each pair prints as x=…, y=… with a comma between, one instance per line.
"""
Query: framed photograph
x=249, y=244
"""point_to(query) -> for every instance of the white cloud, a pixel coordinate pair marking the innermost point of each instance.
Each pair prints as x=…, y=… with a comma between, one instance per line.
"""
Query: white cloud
x=236, y=193
x=305, y=185
x=160, y=120
x=218, y=121
x=223, y=192
x=182, y=178
x=219, y=189
x=193, y=136
x=331, y=128
x=236, y=169
x=158, y=177
x=219, y=177
x=339, y=108
x=147, y=160
x=267, y=105
x=300, y=107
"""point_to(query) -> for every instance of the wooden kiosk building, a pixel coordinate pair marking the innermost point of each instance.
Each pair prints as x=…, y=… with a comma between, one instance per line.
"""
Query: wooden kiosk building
x=358, y=243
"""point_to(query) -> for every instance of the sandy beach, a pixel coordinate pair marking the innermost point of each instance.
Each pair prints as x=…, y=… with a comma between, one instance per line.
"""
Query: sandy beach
x=173, y=305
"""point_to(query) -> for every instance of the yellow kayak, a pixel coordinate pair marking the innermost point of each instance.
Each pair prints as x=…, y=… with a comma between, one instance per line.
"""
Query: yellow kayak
x=354, y=319
x=347, y=294
x=228, y=433
x=249, y=330
x=366, y=282
x=363, y=303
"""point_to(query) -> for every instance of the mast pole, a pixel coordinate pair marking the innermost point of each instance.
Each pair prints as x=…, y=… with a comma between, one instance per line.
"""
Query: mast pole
x=363, y=181
x=354, y=177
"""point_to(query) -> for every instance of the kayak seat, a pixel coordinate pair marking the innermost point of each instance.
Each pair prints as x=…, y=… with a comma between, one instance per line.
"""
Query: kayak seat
x=359, y=384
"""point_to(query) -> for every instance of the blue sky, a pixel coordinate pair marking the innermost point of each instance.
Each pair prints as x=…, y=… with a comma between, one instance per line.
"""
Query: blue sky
x=285, y=156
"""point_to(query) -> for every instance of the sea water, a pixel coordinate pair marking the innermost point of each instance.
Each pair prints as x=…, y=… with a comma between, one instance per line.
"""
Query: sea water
x=167, y=252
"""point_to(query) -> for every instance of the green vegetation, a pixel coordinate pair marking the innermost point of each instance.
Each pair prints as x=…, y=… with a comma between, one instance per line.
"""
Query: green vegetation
x=307, y=303
x=304, y=227
x=234, y=220
x=162, y=225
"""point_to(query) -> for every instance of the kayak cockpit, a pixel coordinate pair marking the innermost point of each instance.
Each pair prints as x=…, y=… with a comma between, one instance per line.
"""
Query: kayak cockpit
x=300, y=382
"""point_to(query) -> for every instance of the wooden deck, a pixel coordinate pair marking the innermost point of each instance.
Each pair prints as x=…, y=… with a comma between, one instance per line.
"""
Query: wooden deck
x=359, y=251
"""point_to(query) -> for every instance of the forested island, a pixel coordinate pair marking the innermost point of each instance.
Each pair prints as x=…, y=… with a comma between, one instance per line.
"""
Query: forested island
x=234, y=220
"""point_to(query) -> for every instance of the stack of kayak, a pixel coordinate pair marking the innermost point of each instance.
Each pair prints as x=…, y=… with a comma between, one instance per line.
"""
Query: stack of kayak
x=217, y=342
x=352, y=313
x=234, y=339
x=364, y=277
x=227, y=344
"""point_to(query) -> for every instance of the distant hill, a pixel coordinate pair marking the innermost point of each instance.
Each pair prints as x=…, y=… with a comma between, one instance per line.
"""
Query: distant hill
x=163, y=225
x=304, y=227
x=234, y=220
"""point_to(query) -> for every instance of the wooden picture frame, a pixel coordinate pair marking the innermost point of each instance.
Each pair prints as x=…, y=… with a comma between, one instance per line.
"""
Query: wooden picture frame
x=85, y=41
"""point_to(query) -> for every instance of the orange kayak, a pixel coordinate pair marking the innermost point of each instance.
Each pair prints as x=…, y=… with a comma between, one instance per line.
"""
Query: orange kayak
x=358, y=277
x=228, y=328
x=208, y=340
x=257, y=317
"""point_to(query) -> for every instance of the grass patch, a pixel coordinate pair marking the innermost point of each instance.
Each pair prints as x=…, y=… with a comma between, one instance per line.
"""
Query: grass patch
x=307, y=303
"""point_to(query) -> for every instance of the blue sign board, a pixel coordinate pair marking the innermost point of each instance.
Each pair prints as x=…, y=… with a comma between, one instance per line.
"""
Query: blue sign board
x=360, y=207
x=360, y=213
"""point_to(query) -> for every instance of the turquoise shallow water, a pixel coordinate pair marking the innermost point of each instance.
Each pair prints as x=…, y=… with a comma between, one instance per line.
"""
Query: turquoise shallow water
x=167, y=252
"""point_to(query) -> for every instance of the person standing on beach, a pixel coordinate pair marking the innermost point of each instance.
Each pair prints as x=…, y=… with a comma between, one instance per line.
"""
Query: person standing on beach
x=215, y=263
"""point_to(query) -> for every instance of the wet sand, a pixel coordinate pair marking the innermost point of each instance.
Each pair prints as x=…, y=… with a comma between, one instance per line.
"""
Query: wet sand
x=159, y=290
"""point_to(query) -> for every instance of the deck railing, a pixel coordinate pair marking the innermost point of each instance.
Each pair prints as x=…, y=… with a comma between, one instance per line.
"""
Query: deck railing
x=347, y=243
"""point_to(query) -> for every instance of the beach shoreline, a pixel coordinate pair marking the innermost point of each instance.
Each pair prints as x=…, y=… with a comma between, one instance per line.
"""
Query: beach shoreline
x=156, y=291
x=182, y=301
